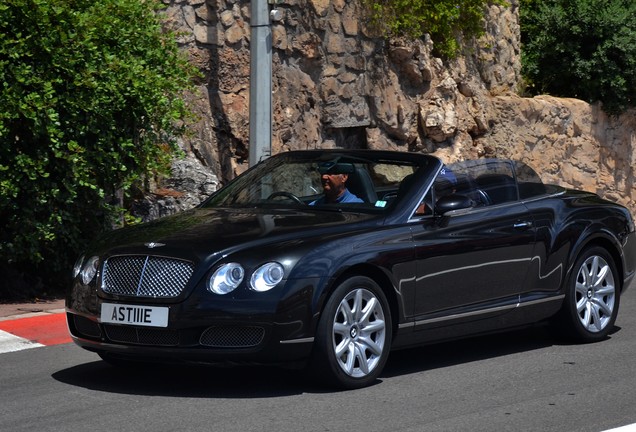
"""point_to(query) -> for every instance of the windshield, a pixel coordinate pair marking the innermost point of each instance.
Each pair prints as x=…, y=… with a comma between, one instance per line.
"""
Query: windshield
x=364, y=181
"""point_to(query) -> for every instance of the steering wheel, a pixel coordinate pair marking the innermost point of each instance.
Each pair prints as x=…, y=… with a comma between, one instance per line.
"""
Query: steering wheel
x=483, y=198
x=289, y=195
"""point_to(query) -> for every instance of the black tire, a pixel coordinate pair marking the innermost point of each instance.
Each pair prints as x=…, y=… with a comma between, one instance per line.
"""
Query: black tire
x=592, y=297
x=354, y=335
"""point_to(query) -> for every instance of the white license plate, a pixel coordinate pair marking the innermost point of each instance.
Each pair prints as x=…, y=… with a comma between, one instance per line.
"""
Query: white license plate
x=150, y=316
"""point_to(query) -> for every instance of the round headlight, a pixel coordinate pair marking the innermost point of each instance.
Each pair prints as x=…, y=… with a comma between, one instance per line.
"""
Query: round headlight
x=77, y=268
x=267, y=277
x=226, y=278
x=89, y=270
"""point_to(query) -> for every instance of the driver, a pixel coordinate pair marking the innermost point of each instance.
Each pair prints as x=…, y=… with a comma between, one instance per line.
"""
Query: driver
x=333, y=185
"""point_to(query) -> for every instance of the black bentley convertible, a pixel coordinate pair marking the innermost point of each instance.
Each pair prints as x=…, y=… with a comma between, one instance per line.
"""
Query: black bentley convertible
x=332, y=258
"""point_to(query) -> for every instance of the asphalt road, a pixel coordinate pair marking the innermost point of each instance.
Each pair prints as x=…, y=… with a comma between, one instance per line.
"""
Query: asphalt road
x=522, y=381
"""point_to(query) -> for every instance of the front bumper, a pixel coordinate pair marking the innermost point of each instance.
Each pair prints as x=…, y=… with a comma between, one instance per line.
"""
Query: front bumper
x=217, y=343
x=209, y=329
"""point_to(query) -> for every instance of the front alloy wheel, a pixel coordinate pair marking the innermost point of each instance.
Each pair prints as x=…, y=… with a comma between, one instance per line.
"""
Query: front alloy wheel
x=354, y=334
x=593, y=296
x=359, y=333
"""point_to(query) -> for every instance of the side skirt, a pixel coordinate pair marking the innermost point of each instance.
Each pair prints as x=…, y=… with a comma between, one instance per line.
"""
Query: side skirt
x=500, y=317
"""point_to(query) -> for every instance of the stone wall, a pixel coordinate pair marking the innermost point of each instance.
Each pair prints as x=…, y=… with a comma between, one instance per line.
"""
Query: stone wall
x=570, y=142
x=337, y=84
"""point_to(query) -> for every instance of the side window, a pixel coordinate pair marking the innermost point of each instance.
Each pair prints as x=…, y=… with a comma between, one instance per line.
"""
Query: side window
x=498, y=188
x=445, y=184
x=530, y=184
x=391, y=181
x=459, y=178
x=426, y=205
x=485, y=181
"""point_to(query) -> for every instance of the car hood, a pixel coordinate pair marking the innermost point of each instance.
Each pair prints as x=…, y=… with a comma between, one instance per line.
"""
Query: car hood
x=198, y=233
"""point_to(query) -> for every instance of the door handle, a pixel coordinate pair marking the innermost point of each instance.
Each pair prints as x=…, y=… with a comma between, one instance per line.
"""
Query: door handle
x=522, y=225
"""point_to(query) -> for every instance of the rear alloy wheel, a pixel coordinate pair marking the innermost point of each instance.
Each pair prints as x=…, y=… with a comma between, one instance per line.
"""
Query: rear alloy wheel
x=593, y=296
x=354, y=334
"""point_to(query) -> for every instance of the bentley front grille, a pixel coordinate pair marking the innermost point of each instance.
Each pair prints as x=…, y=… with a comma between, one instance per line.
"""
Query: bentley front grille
x=145, y=276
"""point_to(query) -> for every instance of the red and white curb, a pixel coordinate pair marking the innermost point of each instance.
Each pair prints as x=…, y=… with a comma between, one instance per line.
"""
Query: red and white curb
x=33, y=330
x=11, y=343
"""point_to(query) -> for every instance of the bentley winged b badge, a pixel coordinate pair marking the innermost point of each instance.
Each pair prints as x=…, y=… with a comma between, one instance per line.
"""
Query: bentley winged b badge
x=153, y=245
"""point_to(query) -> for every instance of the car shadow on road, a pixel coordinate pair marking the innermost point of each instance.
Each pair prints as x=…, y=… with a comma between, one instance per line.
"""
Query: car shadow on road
x=247, y=382
x=468, y=350
x=447, y=354
x=188, y=380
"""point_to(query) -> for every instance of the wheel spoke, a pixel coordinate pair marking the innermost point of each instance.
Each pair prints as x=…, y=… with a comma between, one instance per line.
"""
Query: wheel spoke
x=607, y=290
x=371, y=345
x=374, y=326
x=341, y=329
x=586, y=273
x=600, y=305
x=346, y=311
x=342, y=347
x=594, y=268
x=600, y=276
x=595, y=324
x=581, y=288
x=363, y=362
x=587, y=315
x=351, y=358
x=581, y=304
x=357, y=306
x=368, y=310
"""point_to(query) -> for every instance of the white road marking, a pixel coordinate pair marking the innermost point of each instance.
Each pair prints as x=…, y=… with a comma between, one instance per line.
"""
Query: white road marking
x=11, y=343
x=627, y=428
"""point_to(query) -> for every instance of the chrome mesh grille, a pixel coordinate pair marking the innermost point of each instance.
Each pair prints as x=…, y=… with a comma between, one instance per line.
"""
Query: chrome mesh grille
x=142, y=335
x=146, y=276
x=232, y=337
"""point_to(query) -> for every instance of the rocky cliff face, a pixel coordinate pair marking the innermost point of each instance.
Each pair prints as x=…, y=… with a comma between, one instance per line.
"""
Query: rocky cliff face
x=338, y=85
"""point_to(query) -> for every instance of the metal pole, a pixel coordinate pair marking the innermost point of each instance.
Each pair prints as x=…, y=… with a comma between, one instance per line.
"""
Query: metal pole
x=260, y=146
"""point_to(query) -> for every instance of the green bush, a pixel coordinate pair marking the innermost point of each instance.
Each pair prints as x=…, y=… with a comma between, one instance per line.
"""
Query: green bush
x=90, y=100
x=446, y=21
x=584, y=49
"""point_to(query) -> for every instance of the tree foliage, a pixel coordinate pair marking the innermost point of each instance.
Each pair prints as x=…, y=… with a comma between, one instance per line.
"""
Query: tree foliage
x=446, y=21
x=89, y=104
x=581, y=48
